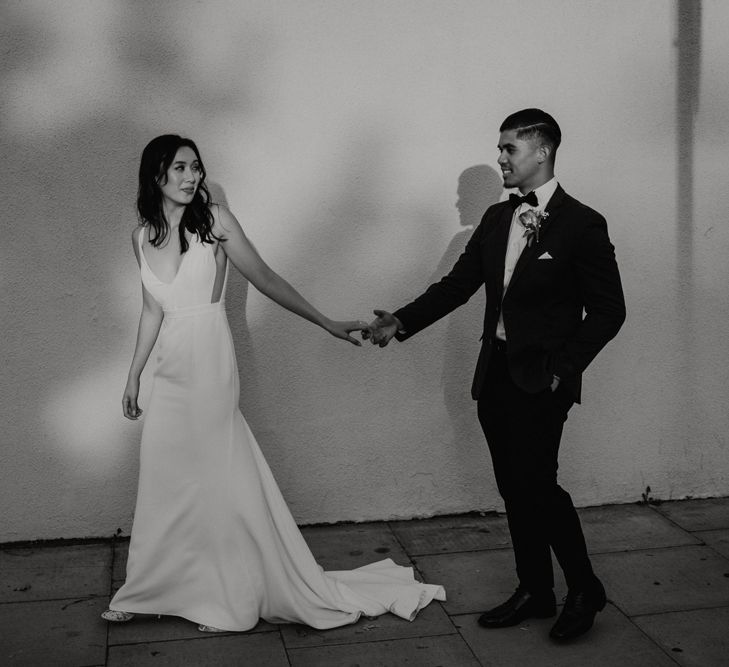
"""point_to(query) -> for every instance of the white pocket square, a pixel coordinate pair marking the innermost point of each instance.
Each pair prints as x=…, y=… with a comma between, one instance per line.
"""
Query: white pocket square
x=545, y=255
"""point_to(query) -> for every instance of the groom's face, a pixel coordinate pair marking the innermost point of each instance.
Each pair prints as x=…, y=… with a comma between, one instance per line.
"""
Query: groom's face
x=520, y=161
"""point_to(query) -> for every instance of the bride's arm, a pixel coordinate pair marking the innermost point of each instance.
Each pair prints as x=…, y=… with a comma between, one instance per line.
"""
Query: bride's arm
x=149, y=324
x=245, y=258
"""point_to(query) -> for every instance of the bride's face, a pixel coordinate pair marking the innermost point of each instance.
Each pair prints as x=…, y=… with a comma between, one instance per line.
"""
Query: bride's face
x=181, y=180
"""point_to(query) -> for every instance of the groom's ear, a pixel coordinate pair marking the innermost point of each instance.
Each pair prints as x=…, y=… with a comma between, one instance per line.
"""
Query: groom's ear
x=544, y=152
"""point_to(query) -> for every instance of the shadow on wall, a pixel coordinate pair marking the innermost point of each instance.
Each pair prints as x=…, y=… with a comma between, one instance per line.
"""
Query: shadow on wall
x=310, y=387
x=479, y=187
x=236, y=307
x=688, y=45
x=331, y=406
x=73, y=129
x=688, y=71
x=311, y=400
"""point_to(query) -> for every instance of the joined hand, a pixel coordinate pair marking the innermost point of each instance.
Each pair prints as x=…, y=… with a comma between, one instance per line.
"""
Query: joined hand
x=381, y=330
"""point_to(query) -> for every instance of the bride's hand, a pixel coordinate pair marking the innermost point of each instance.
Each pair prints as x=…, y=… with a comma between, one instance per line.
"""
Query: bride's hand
x=130, y=408
x=343, y=329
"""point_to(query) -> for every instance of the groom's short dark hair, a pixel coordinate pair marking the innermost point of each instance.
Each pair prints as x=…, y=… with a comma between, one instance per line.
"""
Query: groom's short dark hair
x=533, y=124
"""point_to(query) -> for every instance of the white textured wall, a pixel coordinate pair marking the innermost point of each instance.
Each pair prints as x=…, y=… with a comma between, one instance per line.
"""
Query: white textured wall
x=338, y=132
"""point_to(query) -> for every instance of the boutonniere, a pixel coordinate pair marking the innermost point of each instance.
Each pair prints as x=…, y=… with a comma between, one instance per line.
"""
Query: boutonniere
x=532, y=222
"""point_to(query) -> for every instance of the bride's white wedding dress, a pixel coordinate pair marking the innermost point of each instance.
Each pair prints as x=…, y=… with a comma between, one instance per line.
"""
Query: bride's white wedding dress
x=213, y=540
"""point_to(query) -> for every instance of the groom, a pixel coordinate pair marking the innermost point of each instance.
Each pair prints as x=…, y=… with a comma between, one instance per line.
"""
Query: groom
x=553, y=300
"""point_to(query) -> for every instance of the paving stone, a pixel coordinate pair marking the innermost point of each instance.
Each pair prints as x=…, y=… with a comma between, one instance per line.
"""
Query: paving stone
x=258, y=650
x=430, y=621
x=48, y=573
x=119, y=571
x=718, y=540
x=56, y=619
x=53, y=632
x=613, y=640
x=149, y=628
x=694, y=638
x=451, y=534
x=627, y=527
x=673, y=579
x=446, y=651
x=476, y=581
x=349, y=546
x=704, y=514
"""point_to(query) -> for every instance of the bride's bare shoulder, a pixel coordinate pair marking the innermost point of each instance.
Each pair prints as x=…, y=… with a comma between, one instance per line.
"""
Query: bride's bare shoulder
x=136, y=238
x=223, y=219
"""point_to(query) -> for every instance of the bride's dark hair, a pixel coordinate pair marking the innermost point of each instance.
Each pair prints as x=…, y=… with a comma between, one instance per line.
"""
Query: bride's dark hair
x=197, y=217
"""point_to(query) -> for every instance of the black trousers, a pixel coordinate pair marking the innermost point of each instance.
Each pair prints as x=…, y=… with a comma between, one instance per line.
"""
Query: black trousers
x=523, y=432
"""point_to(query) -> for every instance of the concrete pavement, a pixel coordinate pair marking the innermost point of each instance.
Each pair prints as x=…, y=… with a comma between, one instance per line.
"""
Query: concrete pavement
x=665, y=568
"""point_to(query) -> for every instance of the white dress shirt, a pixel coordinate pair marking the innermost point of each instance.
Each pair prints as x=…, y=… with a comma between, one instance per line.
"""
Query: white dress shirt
x=517, y=241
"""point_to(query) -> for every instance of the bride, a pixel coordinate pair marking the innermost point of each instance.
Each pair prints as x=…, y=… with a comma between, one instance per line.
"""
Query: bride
x=213, y=540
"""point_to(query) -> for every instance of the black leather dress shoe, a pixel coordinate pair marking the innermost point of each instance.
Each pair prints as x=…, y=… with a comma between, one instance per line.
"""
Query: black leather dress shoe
x=579, y=612
x=520, y=606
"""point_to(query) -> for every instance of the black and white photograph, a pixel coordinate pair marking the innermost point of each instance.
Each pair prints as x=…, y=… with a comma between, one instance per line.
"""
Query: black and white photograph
x=364, y=333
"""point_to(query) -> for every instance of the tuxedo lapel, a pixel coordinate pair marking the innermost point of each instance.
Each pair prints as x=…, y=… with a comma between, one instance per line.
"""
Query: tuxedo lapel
x=553, y=209
x=501, y=240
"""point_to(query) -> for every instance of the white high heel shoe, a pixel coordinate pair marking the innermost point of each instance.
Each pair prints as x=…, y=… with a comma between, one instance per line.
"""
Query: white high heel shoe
x=209, y=628
x=117, y=616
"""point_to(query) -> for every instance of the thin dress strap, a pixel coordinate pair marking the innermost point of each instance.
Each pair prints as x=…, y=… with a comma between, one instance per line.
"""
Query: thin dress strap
x=140, y=237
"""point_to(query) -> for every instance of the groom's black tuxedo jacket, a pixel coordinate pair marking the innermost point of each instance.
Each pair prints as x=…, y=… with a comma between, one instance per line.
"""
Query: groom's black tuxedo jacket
x=564, y=301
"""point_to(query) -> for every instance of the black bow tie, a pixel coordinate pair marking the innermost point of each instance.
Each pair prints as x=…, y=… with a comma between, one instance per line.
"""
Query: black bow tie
x=516, y=201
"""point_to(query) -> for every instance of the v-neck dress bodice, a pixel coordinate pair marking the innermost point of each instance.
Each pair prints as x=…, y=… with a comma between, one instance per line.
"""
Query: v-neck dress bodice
x=192, y=285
